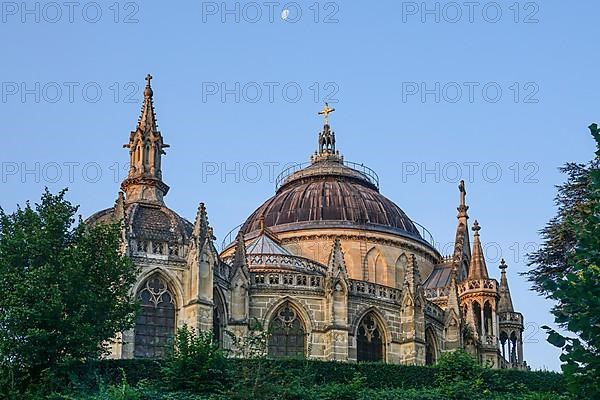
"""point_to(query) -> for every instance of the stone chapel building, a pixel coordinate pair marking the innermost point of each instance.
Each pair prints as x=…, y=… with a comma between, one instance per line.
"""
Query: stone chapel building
x=331, y=267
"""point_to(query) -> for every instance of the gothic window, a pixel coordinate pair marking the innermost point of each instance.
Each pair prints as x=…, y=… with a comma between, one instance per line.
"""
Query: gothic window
x=400, y=268
x=219, y=318
x=503, y=342
x=477, y=318
x=288, y=335
x=488, y=319
x=370, y=339
x=155, y=325
x=430, y=347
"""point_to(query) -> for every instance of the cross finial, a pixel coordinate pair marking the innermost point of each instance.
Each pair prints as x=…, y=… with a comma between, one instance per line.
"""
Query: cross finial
x=325, y=112
x=148, y=91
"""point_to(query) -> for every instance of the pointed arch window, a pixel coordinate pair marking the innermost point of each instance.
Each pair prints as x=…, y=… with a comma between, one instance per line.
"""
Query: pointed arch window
x=430, y=347
x=369, y=342
x=219, y=318
x=155, y=325
x=288, y=334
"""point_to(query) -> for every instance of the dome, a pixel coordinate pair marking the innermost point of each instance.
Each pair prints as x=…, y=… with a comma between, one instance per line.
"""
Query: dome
x=331, y=193
x=150, y=222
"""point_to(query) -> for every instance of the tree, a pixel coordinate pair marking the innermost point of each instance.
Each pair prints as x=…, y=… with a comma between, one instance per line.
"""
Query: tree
x=575, y=282
x=64, y=286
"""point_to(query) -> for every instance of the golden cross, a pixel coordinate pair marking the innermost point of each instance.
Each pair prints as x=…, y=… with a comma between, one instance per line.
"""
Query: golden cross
x=325, y=112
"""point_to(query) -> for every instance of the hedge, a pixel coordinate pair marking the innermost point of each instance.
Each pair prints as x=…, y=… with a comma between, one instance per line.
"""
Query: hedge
x=305, y=372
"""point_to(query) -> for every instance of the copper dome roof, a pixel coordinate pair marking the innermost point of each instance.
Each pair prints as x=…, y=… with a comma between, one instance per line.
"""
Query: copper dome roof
x=331, y=193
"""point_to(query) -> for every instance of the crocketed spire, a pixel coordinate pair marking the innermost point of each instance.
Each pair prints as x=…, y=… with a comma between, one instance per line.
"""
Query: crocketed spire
x=146, y=148
x=505, y=303
x=477, y=269
x=462, y=250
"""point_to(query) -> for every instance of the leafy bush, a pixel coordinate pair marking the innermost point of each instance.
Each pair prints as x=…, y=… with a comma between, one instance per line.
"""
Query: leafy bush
x=195, y=363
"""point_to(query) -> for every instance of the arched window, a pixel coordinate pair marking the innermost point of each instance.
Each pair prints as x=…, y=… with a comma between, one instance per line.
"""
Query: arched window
x=287, y=333
x=488, y=319
x=369, y=341
x=477, y=318
x=219, y=318
x=375, y=268
x=155, y=325
x=430, y=347
x=400, y=268
x=503, y=342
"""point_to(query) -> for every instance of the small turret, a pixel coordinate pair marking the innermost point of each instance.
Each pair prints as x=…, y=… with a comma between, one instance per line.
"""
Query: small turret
x=146, y=148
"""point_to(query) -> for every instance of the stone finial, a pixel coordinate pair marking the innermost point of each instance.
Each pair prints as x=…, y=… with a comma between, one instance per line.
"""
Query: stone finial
x=477, y=269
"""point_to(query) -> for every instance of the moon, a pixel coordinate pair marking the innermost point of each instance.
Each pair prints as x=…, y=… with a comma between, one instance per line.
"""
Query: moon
x=285, y=14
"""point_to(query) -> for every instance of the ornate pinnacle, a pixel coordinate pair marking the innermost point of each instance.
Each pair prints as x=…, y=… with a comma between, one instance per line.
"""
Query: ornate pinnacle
x=463, y=207
x=503, y=266
x=476, y=228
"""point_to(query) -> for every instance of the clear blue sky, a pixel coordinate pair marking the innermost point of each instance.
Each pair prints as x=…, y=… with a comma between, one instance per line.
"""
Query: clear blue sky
x=377, y=58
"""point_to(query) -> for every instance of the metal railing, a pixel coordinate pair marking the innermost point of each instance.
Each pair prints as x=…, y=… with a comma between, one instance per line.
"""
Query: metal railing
x=366, y=172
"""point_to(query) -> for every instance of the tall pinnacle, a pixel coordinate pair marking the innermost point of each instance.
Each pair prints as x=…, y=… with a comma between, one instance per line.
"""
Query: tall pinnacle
x=462, y=249
x=463, y=207
x=327, y=150
x=505, y=302
x=146, y=148
x=477, y=269
x=147, y=121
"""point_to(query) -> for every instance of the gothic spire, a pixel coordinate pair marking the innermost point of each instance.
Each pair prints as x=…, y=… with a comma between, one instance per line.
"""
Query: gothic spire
x=146, y=148
x=412, y=278
x=240, y=257
x=505, y=302
x=462, y=249
x=337, y=264
x=202, y=229
x=477, y=269
x=327, y=150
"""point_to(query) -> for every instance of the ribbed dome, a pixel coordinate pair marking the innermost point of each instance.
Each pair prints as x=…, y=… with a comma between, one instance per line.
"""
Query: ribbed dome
x=330, y=194
x=150, y=222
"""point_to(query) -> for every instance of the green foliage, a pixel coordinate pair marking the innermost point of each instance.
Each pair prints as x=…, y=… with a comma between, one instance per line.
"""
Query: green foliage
x=575, y=286
x=65, y=287
x=195, y=363
x=456, y=366
x=251, y=346
x=306, y=380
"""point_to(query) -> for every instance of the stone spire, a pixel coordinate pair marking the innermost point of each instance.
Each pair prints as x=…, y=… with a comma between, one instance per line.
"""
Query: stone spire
x=505, y=303
x=412, y=278
x=240, y=260
x=477, y=269
x=462, y=249
x=337, y=263
x=146, y=148
x=202, y=229
x=327, y=150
